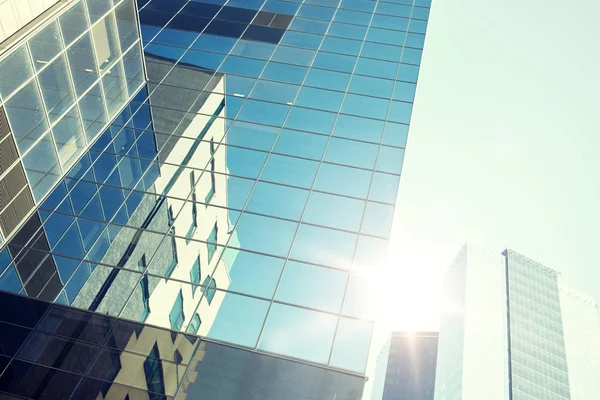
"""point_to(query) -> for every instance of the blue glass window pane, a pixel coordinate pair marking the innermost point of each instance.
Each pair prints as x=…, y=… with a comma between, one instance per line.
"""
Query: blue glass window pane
x=415, y=40
x=310, y=120
x=412, y=56
x=300, y=144
x=349, y=152
x=371, y=86
x=316, y=12
x=242, y=66
x=290, y=171
x=284, y=73
x=351, y=127
x=239, y=320
x=304, y=40
x=379, y=68
x=203, y=59
x=347, y=31
x=353, y=17
x=175, y=37
x=243, y=162
x=335, y=62
x=9, y=281
x=263, y=113
x=342, y=46
x=389, y=22
x=384, y=187
x=195, y=275
x=308, y=25
x=266, y=235
x=325, y=100
x=194, y=325
x=278, y=201
x=251, y=49
x=254, y=136
x=378, y=219
x=176, y=316
x=346, y=181
x=293, y=55
x=334, y=211
x=219, y=44
x=279, y=331
x=211, y=242
x=408, y=73
x=381, y=51
x=417, y=25
x=395, y=134
x=400, y=112
x=390, y=159
x=358, y=5
x=274, y=91
x=420, y=13
x=337, y=246
x=386, y=36
x=327, y=79
x=393, y=9
x=327, y=286
x=404, y=91
x=365, y=106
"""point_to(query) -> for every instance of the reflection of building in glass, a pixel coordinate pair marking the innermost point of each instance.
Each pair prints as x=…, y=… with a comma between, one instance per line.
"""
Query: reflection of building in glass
x=411, y=366
x=236, y=182
x=509, y=313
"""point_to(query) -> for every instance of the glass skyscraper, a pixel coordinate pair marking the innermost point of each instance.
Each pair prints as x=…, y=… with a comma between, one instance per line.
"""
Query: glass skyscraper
x=192, y=191
x=411, y=366
x=509, y=330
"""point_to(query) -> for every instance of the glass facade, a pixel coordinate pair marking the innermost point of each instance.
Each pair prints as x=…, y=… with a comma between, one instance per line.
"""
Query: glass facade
x=252, y=150
x=538, y=362
x=411, y=366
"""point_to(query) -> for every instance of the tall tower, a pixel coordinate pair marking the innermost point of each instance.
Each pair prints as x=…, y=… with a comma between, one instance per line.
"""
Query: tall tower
x=203, y=184
x=512, y=331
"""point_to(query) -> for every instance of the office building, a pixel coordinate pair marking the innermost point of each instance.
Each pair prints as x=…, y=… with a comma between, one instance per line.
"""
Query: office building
x=206, y=180
x=510, y=330
x=411, y=365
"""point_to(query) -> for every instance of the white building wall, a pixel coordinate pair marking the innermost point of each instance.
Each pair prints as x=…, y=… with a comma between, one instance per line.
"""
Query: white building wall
x=15, y=14
x=471, y=352
x=484, y=355
x=164, y=295
x=581, y=328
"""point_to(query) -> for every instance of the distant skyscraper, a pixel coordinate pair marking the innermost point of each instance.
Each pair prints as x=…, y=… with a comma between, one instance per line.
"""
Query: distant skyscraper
x=214, y=171
x=508, y=332
x=411, y=366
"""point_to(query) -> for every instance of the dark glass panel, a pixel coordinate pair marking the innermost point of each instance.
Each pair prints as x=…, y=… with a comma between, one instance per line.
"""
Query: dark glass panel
x=56, y=352
x=236, y=14
x=76, y=324
x=263, y=34
x=20, y=310
x=201, y=9
x=11, y=339
x=226, y=28
x=188, y=23
x=36, y=382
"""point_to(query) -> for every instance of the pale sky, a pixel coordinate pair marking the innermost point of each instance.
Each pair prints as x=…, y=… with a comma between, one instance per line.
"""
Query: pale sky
x=504, y=144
